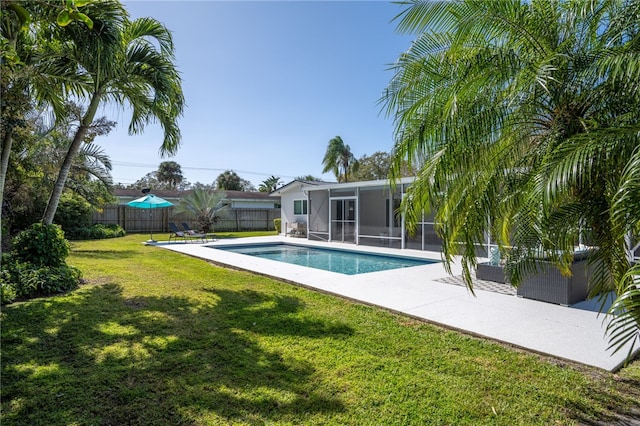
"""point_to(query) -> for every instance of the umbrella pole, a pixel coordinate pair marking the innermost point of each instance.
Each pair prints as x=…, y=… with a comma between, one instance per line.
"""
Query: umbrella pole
x=151, y=227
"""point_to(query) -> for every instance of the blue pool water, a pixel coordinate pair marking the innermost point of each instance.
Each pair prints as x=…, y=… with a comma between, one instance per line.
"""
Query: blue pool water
x=343, y=262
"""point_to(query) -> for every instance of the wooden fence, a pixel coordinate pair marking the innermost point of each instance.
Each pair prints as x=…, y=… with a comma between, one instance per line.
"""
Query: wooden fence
x=157, y=220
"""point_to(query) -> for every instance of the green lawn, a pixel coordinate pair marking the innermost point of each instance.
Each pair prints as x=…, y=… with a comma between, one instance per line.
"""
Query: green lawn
x=155, y=337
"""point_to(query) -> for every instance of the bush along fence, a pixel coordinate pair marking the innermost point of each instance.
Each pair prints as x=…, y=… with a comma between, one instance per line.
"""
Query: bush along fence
x=157, y=220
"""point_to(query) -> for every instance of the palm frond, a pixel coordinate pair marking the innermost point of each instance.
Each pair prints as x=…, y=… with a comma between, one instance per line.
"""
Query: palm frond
x=525, y=119
x=623, y=326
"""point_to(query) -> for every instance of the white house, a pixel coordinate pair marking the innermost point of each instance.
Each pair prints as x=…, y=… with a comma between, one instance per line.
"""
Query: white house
x=364, y=213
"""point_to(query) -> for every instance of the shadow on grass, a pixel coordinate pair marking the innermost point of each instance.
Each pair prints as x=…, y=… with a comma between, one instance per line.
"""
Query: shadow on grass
x=98, y=357
x=105, y=254
x=626, y=398
x=273, y=314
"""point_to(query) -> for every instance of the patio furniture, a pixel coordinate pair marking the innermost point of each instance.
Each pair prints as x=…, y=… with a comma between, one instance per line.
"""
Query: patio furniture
x=193, y=234
x=176, y=233
x=548, y=284
x=297, y=229
x=490, y=272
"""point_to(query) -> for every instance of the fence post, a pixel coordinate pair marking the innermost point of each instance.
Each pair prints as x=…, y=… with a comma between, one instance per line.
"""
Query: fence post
x=122, y=220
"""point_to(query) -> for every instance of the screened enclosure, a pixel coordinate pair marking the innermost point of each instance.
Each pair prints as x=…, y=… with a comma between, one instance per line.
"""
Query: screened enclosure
x=367, y=213
x=318, y=225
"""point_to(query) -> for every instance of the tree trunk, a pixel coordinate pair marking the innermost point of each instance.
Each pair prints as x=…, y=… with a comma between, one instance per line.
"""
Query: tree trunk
x=58, y=188
x=4, y=166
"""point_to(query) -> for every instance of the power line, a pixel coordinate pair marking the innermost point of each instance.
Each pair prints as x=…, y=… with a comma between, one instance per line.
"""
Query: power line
x=208, y=169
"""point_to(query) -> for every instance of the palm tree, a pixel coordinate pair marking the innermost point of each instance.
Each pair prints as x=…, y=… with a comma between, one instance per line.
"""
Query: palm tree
x=528, y=116
x=270, y=184
x=205, y=205
x=339, y=159
x=126, y=62
x=29, y=78
x=229, y=181
x=170, y=173
x=91, y=164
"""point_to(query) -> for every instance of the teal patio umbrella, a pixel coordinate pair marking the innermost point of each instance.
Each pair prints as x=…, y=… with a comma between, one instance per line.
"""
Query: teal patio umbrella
x=149, y=201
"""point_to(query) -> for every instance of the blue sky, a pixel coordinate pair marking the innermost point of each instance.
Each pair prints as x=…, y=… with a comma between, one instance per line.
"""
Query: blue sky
x=267, y=84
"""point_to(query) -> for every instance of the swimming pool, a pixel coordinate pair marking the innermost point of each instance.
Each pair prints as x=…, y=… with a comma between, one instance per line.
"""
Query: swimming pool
x=333, y=260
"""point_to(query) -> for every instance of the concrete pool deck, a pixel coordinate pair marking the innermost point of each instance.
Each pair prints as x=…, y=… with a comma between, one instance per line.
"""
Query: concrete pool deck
x=575, y=333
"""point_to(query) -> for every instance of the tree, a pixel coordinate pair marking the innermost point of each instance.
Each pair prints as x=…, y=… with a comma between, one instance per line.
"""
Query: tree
x=339, y=159
x=378, y=166
x=528, y=116
x=39, y=147
x=308, y=178
x=205, y=205
x=26, y=75
x=90, y=176
x=90, y=172
x=170, y=174
x=246, y=185
x=230, y=181
x=129, y=62
x=204, y=186
x=373, y=167
x=29, y=77
x=150, y=180
x=270, y=184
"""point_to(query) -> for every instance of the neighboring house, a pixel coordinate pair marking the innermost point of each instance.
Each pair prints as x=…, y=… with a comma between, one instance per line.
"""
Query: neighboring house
x=364, y=213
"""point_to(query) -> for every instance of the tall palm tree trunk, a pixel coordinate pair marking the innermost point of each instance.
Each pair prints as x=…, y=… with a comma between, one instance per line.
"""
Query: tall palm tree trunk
x=4, y=166
x=86, y=121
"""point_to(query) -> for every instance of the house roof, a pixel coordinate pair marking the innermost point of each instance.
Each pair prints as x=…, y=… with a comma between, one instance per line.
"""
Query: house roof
x=231, y=195
x=298, y=185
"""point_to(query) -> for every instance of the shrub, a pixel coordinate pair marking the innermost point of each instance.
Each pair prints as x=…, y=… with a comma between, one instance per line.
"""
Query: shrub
x=108, y=231
x=96, y=232
x=36, y=265
x=8, y=292
x=78, y=233
x=47, y=280
x=27, y=280
x=41, y=245
x=73, y=212
x=277, y=222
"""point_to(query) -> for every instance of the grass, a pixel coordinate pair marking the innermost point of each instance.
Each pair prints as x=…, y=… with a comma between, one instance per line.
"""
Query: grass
x=155, y=337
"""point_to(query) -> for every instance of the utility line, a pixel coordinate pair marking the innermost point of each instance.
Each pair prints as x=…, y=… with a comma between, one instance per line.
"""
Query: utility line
x=155, y=166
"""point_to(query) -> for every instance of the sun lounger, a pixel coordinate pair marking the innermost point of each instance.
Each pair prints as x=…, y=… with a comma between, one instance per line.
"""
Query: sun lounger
x=176, y=233
x=193, y=234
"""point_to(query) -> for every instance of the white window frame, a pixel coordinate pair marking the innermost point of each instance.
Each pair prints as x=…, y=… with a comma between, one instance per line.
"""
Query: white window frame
x=303, y=207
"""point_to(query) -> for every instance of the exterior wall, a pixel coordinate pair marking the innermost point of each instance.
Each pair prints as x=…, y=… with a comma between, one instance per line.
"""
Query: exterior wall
x=287, y=216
